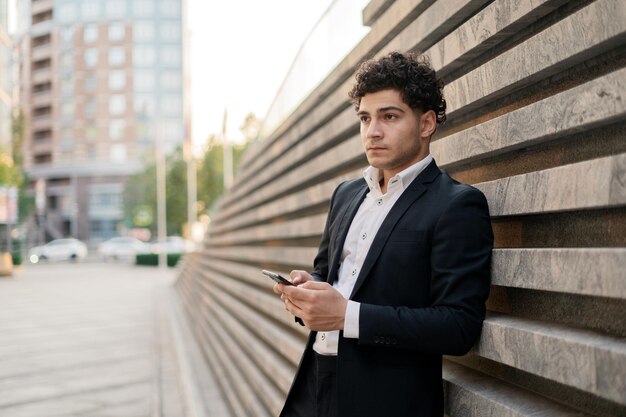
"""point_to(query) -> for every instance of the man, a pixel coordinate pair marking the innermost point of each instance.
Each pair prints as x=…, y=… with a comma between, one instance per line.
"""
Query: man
x=402, y=273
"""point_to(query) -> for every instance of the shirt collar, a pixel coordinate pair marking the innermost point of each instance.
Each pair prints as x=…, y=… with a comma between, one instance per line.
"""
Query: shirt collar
x=405, y=177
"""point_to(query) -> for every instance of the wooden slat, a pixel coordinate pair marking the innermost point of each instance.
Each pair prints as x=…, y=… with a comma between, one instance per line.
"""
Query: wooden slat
x=303, y=227
x=585, y=185
x=290, y=255
x=486, y=29
x=584, y=107
x=583, y=359
x=472, y=394
x=284, y=206
x=562, y=45
x=587, y=271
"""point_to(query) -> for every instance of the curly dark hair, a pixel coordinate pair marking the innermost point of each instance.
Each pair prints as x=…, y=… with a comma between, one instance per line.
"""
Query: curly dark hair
x=409, y=73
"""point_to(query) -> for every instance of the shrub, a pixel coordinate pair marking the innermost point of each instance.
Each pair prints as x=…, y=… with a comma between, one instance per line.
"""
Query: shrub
x=152, y=259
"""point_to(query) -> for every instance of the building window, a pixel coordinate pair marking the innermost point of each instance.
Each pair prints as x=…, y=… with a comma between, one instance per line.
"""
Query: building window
x=67, y=62
x=67, y=35
x=117, y=105
x=117, y=80
x=173, y=131
x=170, y=56
x=91, y=107
x=170, y=31
x=90, y=82
x=117, y=153
x=144, y=105
x=91, y=57
x=145, y=81
x=67, y=111
x=171, y=80
x=144, y=56
x=91, y=133
x=90, y=33
x=143, y=8
x=116, y=129
x=116, y=8
x=66, y=12
x=143, y=31
x=67, y=140
x=117, y=31
x=90, y=9
x=171, y=106
x=117, y=56
x=67, y=87
x=170, y=8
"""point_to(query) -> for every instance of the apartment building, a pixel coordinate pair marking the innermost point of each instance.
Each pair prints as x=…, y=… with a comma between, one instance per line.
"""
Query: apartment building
x=6, y=46
x=100, y=80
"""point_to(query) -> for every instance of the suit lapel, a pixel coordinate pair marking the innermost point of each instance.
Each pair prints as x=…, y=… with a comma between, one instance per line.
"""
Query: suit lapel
x=408, y=197
x=347, y=217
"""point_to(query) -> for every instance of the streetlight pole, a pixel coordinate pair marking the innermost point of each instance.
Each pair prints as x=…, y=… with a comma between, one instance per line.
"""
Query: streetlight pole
x=227, y=155
x=161, y=198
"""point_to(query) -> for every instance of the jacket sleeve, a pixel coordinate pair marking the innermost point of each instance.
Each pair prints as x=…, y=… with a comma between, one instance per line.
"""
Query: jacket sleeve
x=462, y=241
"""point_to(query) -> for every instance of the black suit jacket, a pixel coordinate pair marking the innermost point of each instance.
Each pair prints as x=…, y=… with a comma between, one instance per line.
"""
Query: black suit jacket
x=422, y=290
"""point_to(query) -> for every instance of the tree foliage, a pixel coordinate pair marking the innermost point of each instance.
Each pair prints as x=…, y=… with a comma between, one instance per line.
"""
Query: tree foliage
x=140, y=189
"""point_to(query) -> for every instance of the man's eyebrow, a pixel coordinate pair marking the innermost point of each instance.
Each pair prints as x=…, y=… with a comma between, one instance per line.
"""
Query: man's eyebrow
x=382, y=110
x=388, y=108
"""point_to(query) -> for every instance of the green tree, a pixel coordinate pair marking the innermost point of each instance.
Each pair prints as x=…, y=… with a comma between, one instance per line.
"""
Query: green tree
x=140, y=189
x=140, y=194
x=12, y=168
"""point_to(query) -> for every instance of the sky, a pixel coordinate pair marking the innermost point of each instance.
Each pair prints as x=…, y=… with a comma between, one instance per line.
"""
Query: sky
x=240, y=52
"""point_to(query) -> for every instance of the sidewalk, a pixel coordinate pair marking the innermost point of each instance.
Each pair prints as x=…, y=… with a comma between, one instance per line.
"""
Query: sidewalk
x=99, y=340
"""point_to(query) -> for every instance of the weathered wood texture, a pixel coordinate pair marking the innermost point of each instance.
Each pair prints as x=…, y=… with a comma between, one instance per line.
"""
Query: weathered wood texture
x=537, y=103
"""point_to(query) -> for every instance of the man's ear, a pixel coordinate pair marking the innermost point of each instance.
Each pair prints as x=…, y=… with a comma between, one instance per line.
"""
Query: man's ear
x=428, y=124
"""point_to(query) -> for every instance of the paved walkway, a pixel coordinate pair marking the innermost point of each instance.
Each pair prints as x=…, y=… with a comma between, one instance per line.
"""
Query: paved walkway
x=98, y=340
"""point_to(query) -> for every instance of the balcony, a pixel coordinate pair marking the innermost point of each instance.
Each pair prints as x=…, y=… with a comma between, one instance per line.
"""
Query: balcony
x=42, y=122
x=42, y=98
x=41, y=146
x=41, y=75
x=40, y=6
x=41, y=28
x=41, y=52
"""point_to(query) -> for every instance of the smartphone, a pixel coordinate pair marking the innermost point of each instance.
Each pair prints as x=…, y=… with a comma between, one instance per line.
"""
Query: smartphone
x=279, y=279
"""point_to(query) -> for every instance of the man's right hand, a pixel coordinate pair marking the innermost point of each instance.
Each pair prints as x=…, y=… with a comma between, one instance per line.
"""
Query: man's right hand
x=297, y=277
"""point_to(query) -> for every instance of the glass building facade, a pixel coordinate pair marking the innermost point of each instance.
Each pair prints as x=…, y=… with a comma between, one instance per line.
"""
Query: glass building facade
x=105, y=78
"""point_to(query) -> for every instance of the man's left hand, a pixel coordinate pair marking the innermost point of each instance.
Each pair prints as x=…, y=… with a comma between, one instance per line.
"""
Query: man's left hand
x=318, y=304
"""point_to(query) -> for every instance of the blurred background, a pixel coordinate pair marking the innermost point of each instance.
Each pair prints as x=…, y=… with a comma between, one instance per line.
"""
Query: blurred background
x=127, y=119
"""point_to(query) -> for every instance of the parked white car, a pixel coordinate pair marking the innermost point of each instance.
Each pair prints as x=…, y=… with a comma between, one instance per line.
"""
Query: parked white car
x=173, y=244
x=59, y=250
x=122, y=248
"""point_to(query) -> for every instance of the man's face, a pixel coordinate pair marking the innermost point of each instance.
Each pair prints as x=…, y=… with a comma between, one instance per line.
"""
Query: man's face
x=394, y=135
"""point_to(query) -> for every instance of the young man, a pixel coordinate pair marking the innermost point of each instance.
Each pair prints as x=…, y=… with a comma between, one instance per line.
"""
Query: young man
x=402, y=273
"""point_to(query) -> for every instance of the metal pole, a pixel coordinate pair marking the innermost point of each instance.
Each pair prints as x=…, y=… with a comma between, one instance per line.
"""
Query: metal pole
x=227, y=155
x=161, y=198
x=192, y=193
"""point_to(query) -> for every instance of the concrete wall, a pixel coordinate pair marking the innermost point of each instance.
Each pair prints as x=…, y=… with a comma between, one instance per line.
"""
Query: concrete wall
x=536, y=92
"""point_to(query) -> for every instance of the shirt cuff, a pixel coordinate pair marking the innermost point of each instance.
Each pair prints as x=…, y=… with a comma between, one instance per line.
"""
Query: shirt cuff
x=351, y=322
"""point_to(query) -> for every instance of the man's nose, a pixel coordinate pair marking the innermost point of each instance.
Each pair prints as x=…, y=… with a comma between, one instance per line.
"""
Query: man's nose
x=374, y=129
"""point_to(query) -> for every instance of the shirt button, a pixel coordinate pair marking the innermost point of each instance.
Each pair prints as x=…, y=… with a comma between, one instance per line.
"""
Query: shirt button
x=379, y=202
x=354, y=271
x=323, y=336
x=364, y=235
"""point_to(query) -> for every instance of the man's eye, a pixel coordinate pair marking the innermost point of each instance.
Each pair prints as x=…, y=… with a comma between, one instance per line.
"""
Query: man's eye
x=390, y=116
x=364, y=119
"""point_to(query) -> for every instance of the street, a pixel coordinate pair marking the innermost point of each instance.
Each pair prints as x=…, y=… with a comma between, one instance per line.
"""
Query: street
x=96, y=340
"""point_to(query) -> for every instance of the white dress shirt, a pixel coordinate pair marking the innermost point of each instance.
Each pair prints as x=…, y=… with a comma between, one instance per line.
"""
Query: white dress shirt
x=362, y=231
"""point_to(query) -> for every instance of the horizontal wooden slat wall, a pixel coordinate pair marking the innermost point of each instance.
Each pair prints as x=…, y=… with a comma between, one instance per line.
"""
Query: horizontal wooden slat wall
x=536, y=93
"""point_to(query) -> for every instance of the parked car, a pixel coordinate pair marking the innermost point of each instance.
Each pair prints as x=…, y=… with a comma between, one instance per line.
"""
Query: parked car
x=59, y=250
x=122, y=248
x=173, y=244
